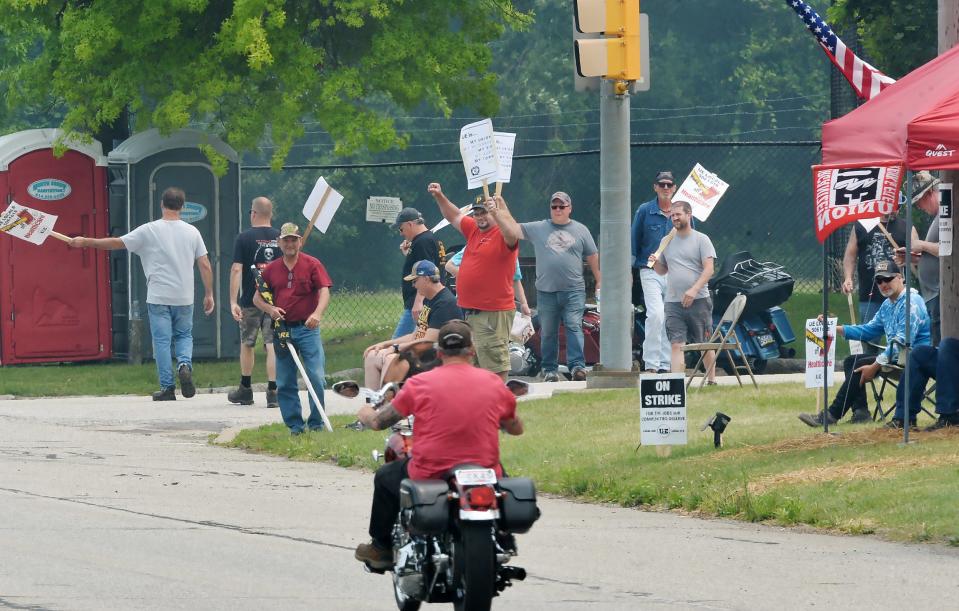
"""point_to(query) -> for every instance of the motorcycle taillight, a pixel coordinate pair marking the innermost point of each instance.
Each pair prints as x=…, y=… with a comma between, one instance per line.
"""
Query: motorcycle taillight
x=482, y=497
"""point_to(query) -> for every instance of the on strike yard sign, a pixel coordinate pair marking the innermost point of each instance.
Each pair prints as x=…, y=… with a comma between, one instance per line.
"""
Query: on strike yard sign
x=662, y=409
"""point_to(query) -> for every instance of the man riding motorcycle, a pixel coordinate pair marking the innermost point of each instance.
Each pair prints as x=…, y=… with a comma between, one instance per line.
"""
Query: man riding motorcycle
x=452, y=427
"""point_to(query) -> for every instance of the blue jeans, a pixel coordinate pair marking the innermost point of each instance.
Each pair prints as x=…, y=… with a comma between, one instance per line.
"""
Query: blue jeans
x=406, y=325
x=552, y=307
x=171, y=324
x=309, y=347
x=940, y=364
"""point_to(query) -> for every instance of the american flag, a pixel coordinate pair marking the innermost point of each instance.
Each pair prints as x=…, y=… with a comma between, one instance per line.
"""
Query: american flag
x=866, y=80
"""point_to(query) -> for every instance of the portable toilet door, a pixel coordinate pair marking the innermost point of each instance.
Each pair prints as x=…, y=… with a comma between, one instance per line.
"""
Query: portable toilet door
x=54, y=300
x=152, y=163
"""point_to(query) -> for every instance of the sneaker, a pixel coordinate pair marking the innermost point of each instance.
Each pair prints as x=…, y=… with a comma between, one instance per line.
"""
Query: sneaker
x=165, y=394
x=815, y=420
x=272, y=400
x=243, y=395
x=186, y=381
x=551, y=376
x=375, y=556
x=579, y=374
x=896, y=424
x=944, y=421
x=860, y=416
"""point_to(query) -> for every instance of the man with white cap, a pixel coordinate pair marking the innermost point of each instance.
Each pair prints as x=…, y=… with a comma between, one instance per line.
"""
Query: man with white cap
x=925, y=253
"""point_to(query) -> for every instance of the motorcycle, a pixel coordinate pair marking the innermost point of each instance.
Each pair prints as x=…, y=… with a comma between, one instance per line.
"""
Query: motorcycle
x=453, y=537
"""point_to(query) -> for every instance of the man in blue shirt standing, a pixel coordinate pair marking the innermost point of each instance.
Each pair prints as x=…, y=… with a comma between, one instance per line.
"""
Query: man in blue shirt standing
x=650, y=225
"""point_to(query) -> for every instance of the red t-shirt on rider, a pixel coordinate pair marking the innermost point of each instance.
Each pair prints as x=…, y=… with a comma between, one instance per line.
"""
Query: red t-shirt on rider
x=485, y=279
x=296, y=290
x=457, y=409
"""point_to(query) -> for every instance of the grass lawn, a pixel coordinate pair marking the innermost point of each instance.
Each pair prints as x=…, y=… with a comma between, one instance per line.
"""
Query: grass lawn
x=772, y=468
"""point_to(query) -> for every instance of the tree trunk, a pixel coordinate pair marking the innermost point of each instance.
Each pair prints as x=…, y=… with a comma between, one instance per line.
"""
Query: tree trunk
x=948, y=268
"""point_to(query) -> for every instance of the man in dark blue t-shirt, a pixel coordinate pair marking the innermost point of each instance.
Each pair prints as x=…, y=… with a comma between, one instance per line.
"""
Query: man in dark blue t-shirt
x=419, y=244
x=392, y=359
x=255, y=246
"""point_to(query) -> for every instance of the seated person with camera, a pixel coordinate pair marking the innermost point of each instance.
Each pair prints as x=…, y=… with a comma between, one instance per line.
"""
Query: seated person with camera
x=394, y=360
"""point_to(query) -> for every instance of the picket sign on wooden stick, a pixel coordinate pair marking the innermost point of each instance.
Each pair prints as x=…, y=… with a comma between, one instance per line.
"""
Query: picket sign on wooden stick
x=485, y=189
x=663, y=244
x=499, y=188
x=316, y=213
x=889, y=237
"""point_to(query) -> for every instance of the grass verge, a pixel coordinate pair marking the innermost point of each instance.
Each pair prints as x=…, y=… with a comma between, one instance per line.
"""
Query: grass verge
x=772, y=469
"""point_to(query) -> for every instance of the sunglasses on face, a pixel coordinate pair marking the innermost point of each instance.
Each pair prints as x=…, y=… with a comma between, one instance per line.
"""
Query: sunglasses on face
x=883, y=281
x=558, y=207
x=664, y=185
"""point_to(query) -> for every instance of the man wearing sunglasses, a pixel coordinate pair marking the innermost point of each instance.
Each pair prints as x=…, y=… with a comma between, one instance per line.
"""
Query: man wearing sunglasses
x=561, y=245
x=650, y=225
x=418, y=244
x=301, y=292
x=890, y=321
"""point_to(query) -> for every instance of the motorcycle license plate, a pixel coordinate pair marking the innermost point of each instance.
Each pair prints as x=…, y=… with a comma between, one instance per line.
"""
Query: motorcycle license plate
x=766, y=339
x=476, y=477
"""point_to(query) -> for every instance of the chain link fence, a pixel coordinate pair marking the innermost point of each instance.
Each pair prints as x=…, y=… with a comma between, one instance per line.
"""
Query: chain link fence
x=768, y=210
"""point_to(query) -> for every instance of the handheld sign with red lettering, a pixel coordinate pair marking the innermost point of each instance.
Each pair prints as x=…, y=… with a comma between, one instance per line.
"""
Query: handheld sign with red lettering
x=28, y=224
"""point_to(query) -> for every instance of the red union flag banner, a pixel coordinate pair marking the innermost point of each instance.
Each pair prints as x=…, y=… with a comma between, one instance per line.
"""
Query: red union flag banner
x=847, y=193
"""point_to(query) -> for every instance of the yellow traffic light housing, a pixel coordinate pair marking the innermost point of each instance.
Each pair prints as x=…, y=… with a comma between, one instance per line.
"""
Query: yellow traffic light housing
x=617, y=56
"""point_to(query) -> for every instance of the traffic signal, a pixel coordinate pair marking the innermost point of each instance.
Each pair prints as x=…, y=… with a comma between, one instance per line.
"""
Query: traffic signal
x=618, y=55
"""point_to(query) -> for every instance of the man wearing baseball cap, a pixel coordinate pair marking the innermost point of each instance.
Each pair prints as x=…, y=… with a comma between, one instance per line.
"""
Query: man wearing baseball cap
x=925, y=253
x=391, y=360
x=418, y=244
x=650, y=225
x=890, y=321
x=301, y=292
x=561, y=245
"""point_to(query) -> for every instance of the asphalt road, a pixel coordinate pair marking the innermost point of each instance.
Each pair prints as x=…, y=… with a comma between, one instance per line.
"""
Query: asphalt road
x=119, y=503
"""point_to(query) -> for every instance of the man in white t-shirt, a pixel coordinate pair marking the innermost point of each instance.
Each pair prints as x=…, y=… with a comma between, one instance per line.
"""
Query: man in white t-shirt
x=167, y=248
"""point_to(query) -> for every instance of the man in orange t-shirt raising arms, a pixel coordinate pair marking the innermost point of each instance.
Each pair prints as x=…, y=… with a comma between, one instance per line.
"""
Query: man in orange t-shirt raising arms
x=484, y=286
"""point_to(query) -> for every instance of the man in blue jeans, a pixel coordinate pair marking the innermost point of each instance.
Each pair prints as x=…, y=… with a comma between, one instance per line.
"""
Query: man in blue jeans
x=561, y=245
x=168, y=248
x=940, y=363
x=301, y=292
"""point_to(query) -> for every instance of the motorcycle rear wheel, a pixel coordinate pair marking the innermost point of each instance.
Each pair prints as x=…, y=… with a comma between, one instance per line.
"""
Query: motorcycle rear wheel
x=474, y=558
x=404, y=602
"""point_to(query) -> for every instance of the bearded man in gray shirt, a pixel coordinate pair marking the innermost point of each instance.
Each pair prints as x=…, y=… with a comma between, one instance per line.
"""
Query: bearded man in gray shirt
x=561, y=246
x=688, y=263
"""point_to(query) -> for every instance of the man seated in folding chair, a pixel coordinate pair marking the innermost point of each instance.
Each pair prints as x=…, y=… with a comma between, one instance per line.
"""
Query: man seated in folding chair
x=393, y=360
x=941, y=364
x=860, y=368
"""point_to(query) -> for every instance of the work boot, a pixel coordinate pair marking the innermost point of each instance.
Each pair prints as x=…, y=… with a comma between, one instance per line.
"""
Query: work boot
x=815, y=420
x=165, y=394
x=375, y=556
x=272, y=399
x=579, y=374
x=242, y=395
x=186, y=381
x=860, y=416
x=896, y=424
x=944, y=421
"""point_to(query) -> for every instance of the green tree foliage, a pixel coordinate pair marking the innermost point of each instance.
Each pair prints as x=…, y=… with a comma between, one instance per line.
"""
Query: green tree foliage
x=897, y=35
x=252, y=68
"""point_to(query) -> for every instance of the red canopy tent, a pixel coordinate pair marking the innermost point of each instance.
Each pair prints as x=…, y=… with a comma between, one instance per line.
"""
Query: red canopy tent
x=915, y=120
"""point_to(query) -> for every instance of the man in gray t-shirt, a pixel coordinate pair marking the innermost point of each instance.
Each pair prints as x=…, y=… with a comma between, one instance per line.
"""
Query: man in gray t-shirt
x=687, y=262
x=561, y=246
x=925, y=253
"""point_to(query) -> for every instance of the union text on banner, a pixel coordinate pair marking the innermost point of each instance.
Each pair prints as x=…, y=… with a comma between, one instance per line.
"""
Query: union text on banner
x=478, y=148
x=26, y=223
x=332, y=204
x=702, y=189
x=844, y=194
x=504, y=154
x=815, y=352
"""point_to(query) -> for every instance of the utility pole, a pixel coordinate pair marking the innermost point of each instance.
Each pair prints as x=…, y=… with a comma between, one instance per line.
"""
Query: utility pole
x=948, y=268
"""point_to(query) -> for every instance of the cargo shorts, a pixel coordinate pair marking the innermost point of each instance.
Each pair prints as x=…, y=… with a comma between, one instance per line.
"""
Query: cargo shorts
x=491, y=338
x=255, y=321
x=690, y=325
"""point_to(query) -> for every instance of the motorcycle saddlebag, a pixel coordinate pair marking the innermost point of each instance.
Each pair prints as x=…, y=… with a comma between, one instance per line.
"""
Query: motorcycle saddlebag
x=518, y=508
x=424, y=505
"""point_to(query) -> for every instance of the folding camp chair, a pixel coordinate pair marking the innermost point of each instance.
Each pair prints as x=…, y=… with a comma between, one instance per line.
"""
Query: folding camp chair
x=890, y=376
x=724, y=341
